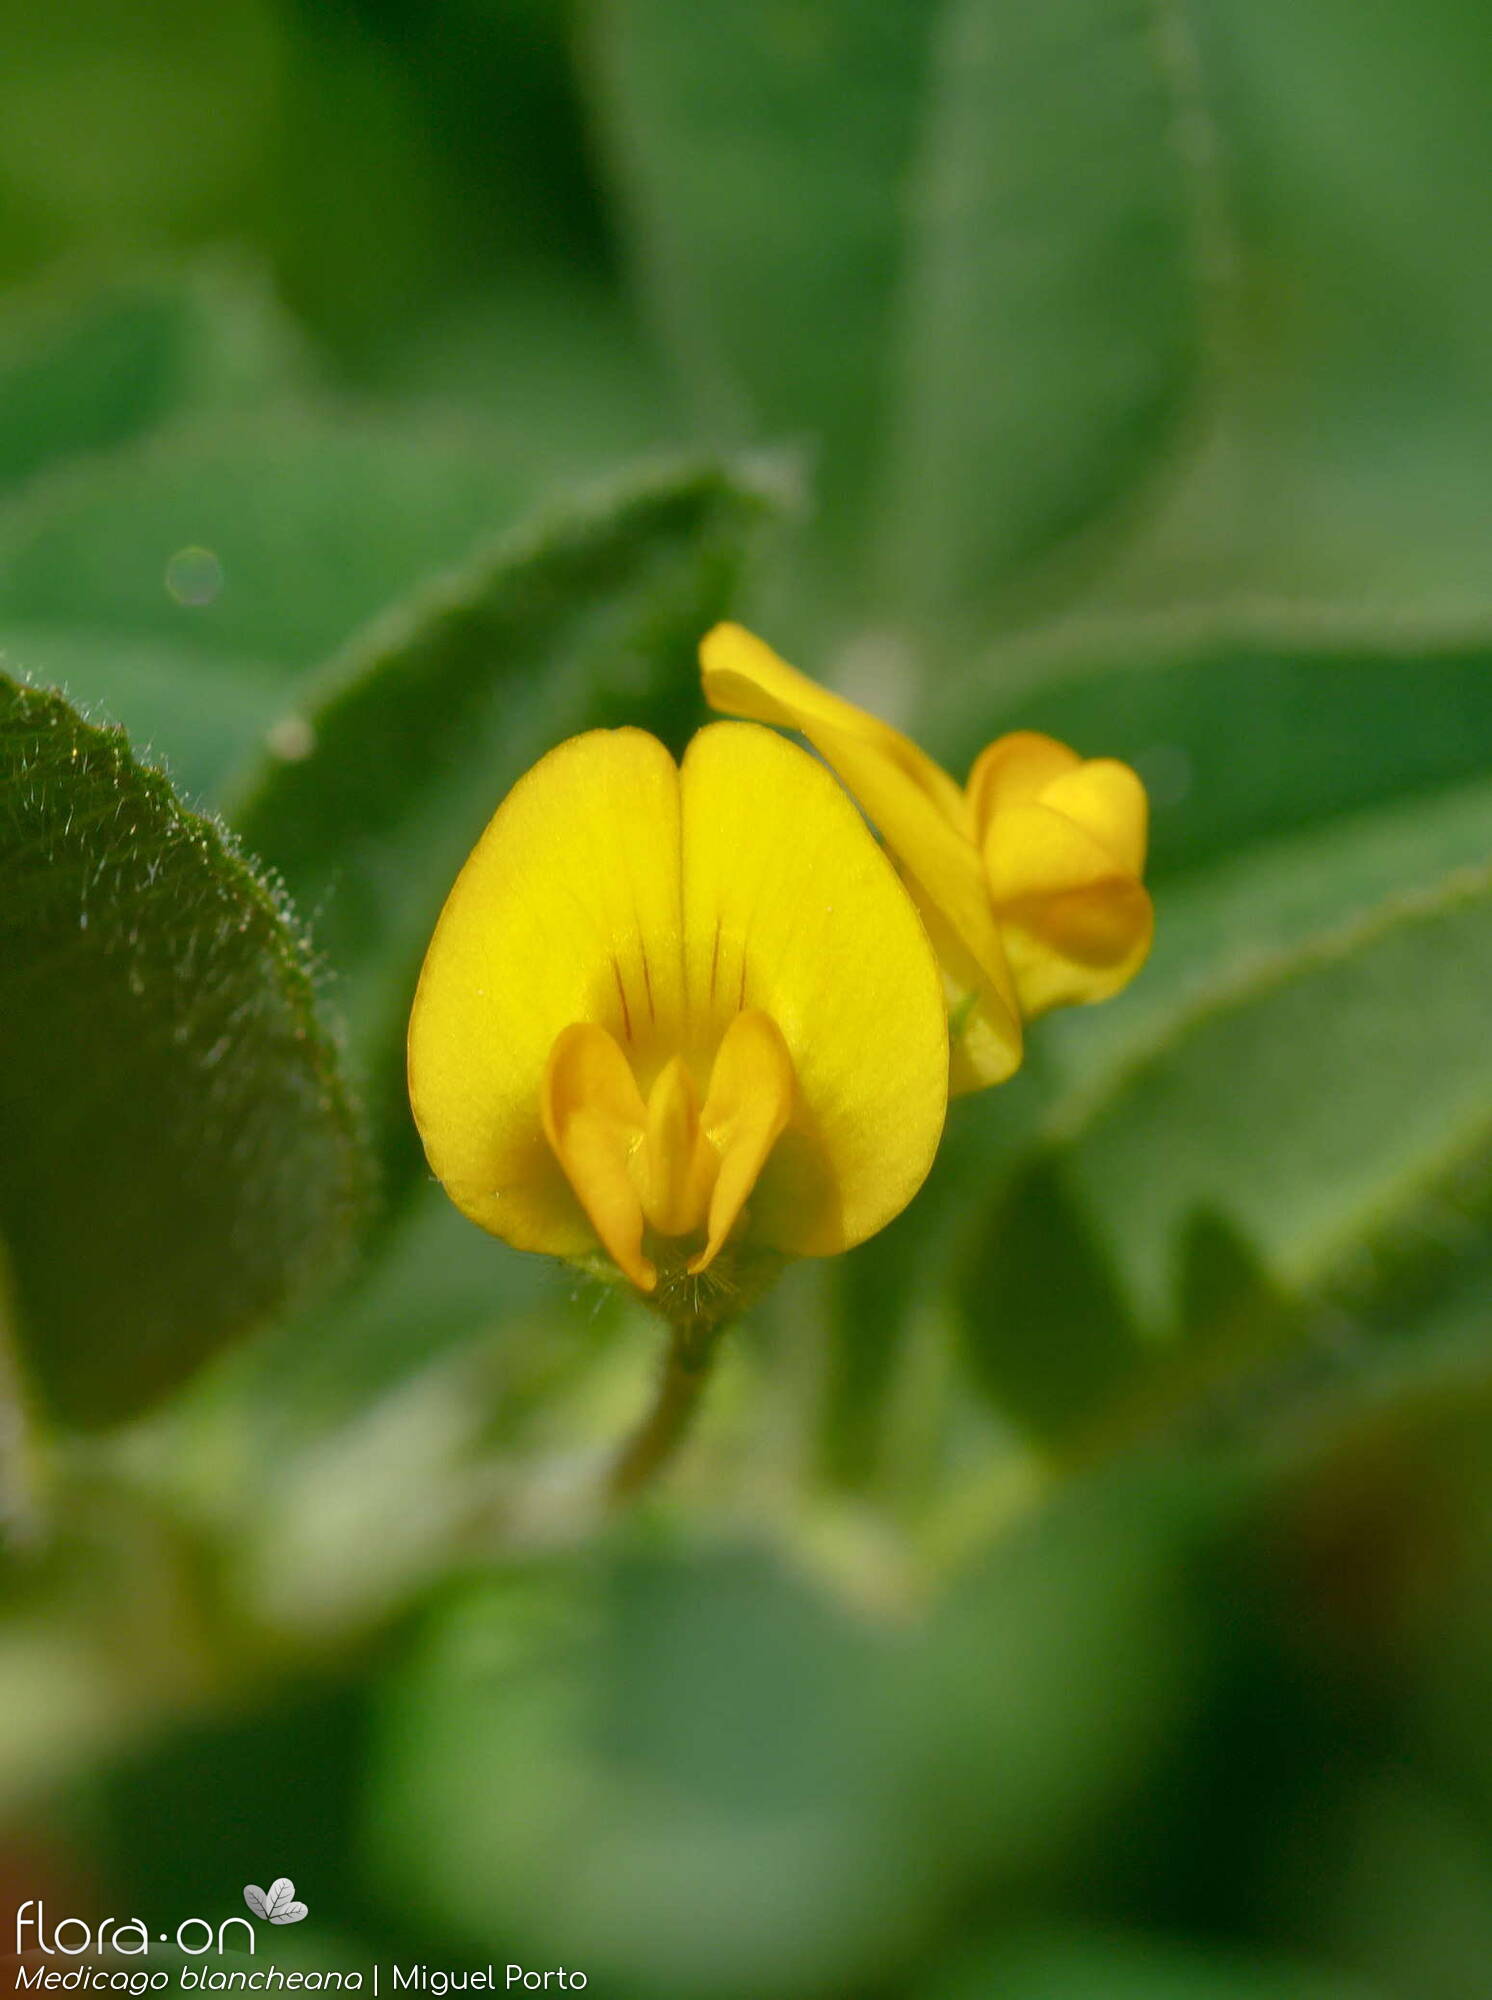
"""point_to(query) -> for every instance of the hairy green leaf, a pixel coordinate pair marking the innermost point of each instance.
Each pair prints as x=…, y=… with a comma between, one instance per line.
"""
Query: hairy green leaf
x=182, y=709
x=180, y=1156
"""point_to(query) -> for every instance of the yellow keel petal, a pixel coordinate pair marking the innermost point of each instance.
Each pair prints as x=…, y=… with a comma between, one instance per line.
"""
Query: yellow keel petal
x=594, y=1118
x=745, y=1114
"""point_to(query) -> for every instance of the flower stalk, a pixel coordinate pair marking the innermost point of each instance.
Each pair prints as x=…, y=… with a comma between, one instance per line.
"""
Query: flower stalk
x=687, y=1365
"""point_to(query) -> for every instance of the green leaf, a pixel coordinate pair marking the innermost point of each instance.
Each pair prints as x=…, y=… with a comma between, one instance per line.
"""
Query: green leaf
x=1216, y=926
x=314, y=524
x=391, y=771
x=974, y=286
x=86, y=373
x=1313, y=1130
x=886, y=1295
x=180, y=1154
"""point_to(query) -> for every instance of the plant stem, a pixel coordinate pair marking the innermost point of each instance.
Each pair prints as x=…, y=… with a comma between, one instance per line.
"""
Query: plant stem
x=686, y=1369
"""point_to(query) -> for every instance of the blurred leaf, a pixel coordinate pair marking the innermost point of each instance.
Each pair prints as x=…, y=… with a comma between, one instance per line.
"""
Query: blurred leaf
x=85, y=372
x=437, y=1285
x=313, y=524
x=384, y=235
x=1349, y=458
x=448, y=151
x=311, y=1780
x=1407, y=1903
x=1322, y=1120
x=769, y=230
x=179, y=1152
x=106, y=1628
x=1050, y=1328
x=123, y=119
x=1129, y=1967
x=691, y=1773
x=554, y=363
x=924, y=225
x=1015, y=1755
x=393, y=769
x=883, y=1293
x=1053, y=323
x=1333, y=483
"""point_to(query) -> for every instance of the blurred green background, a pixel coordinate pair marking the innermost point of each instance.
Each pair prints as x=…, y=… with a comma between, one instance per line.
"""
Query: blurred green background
x=1083, y=1591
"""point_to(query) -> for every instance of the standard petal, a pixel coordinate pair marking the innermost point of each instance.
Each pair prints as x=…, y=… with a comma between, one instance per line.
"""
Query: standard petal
x=922, y=817
x=743, y=676
x=566, y=911
x=790, y=907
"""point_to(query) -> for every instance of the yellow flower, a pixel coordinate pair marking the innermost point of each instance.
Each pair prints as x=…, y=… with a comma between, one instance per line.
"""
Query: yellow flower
x=679, y=1013
x=1029, y=878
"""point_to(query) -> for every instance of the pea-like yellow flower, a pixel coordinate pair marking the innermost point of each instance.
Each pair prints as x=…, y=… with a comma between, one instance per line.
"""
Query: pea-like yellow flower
x=678, y=1013
x=1028, y=878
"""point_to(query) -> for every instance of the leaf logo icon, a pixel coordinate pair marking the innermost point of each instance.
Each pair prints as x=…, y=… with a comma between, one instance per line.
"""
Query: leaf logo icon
x=277, y=1905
